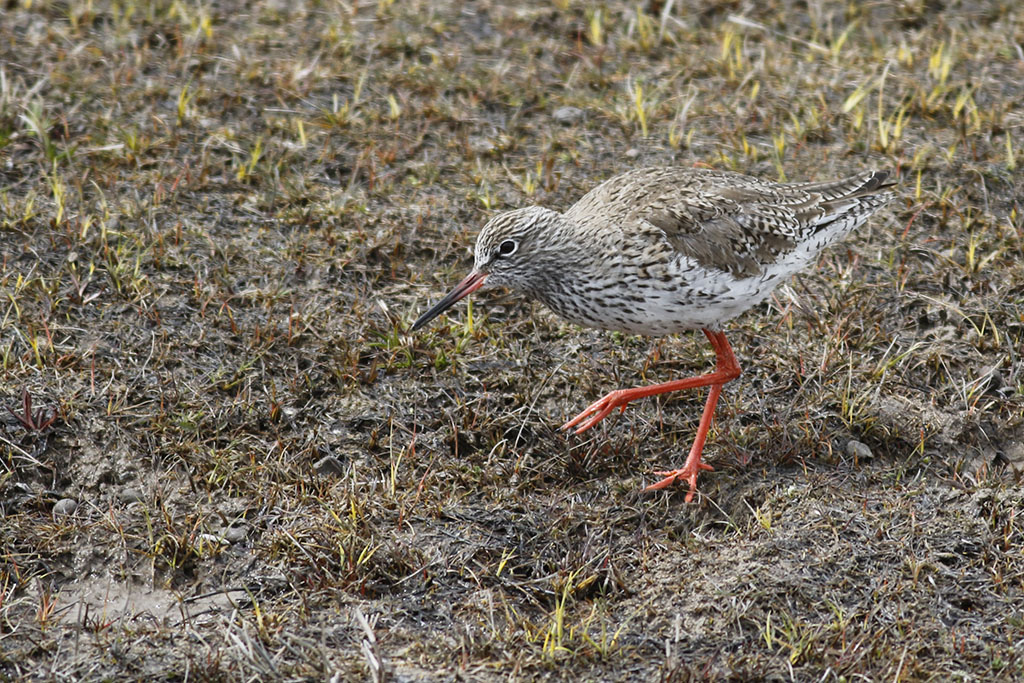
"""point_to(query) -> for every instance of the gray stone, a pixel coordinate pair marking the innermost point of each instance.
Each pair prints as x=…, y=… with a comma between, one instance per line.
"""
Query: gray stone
x=65, y=507
x=213, y=539
x=567, y=115
x=858, y=450
x=1014, y=455
x=129, y=495
x=329, y=465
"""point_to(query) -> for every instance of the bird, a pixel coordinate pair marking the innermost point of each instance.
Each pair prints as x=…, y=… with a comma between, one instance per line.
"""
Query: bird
x=662, y=250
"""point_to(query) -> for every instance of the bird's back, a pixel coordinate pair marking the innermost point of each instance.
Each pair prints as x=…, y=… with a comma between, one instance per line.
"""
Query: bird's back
x=685, y=248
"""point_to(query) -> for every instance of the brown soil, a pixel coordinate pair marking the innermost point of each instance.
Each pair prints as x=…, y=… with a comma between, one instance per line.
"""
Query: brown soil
x=217, y=221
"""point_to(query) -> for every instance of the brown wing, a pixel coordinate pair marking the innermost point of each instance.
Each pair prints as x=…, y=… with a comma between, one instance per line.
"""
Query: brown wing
x=727, y=221
x=736, y=229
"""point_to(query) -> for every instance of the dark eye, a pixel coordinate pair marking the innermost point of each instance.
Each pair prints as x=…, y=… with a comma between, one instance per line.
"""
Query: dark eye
x=507, y=248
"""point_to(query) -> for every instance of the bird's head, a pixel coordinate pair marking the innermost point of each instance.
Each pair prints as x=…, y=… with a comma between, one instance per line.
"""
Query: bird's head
x=512, y=251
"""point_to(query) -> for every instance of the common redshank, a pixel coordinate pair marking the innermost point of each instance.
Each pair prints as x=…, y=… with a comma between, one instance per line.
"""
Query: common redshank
x=661, y=250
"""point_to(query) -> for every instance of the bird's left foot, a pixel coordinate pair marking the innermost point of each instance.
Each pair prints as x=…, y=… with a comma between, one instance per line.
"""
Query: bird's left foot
x=688, y=473
x=599, y=409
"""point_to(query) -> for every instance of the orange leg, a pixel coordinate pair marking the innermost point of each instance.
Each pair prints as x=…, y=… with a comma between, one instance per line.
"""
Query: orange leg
x=726, y=369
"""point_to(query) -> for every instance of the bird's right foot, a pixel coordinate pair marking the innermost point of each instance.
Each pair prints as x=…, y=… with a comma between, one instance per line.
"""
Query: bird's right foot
x=688, y=473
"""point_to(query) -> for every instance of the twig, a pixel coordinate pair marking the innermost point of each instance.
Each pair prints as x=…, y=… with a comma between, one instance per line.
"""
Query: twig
x=369, y=647
x=749, y=23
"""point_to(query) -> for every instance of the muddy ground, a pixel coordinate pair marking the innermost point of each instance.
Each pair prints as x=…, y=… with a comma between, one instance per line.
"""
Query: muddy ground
x=217, y=221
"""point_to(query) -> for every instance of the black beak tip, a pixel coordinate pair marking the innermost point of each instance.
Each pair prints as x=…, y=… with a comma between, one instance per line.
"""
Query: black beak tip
x=471, y=283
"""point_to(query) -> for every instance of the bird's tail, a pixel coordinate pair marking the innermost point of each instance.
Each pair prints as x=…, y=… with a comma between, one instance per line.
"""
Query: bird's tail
x=861, y=185
x=845, y=204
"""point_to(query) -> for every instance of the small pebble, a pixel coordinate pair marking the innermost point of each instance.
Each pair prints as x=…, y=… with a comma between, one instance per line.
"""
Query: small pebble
x=329, y=465
x=567, y=115
x=858, y=450
x=213, y=539
x=129, y=495
x=482, y=146
x=65, y=506
x=235, y=534
x=1014, y=455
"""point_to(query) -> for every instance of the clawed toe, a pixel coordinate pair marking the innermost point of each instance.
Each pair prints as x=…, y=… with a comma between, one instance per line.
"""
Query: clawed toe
x=688, y=473
x=596, y=411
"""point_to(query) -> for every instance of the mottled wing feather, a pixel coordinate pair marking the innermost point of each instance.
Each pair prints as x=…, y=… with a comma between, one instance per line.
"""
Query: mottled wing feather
x=726, y=221
x=729, y=226
x=726, y=241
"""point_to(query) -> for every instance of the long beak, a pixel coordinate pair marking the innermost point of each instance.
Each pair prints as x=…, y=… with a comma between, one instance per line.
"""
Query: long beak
x=473, y=282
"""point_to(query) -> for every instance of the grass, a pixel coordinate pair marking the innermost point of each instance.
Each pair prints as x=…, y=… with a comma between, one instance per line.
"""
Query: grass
x=218, y=221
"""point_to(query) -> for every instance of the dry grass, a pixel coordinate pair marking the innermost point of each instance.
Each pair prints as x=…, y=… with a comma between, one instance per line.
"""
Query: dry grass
x=217, y=221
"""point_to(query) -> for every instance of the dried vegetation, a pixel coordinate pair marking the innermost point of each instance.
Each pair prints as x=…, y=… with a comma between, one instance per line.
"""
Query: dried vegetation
x=225, y=457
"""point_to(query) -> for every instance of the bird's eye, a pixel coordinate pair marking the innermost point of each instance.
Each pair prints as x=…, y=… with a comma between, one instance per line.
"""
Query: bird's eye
x=507, y=248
